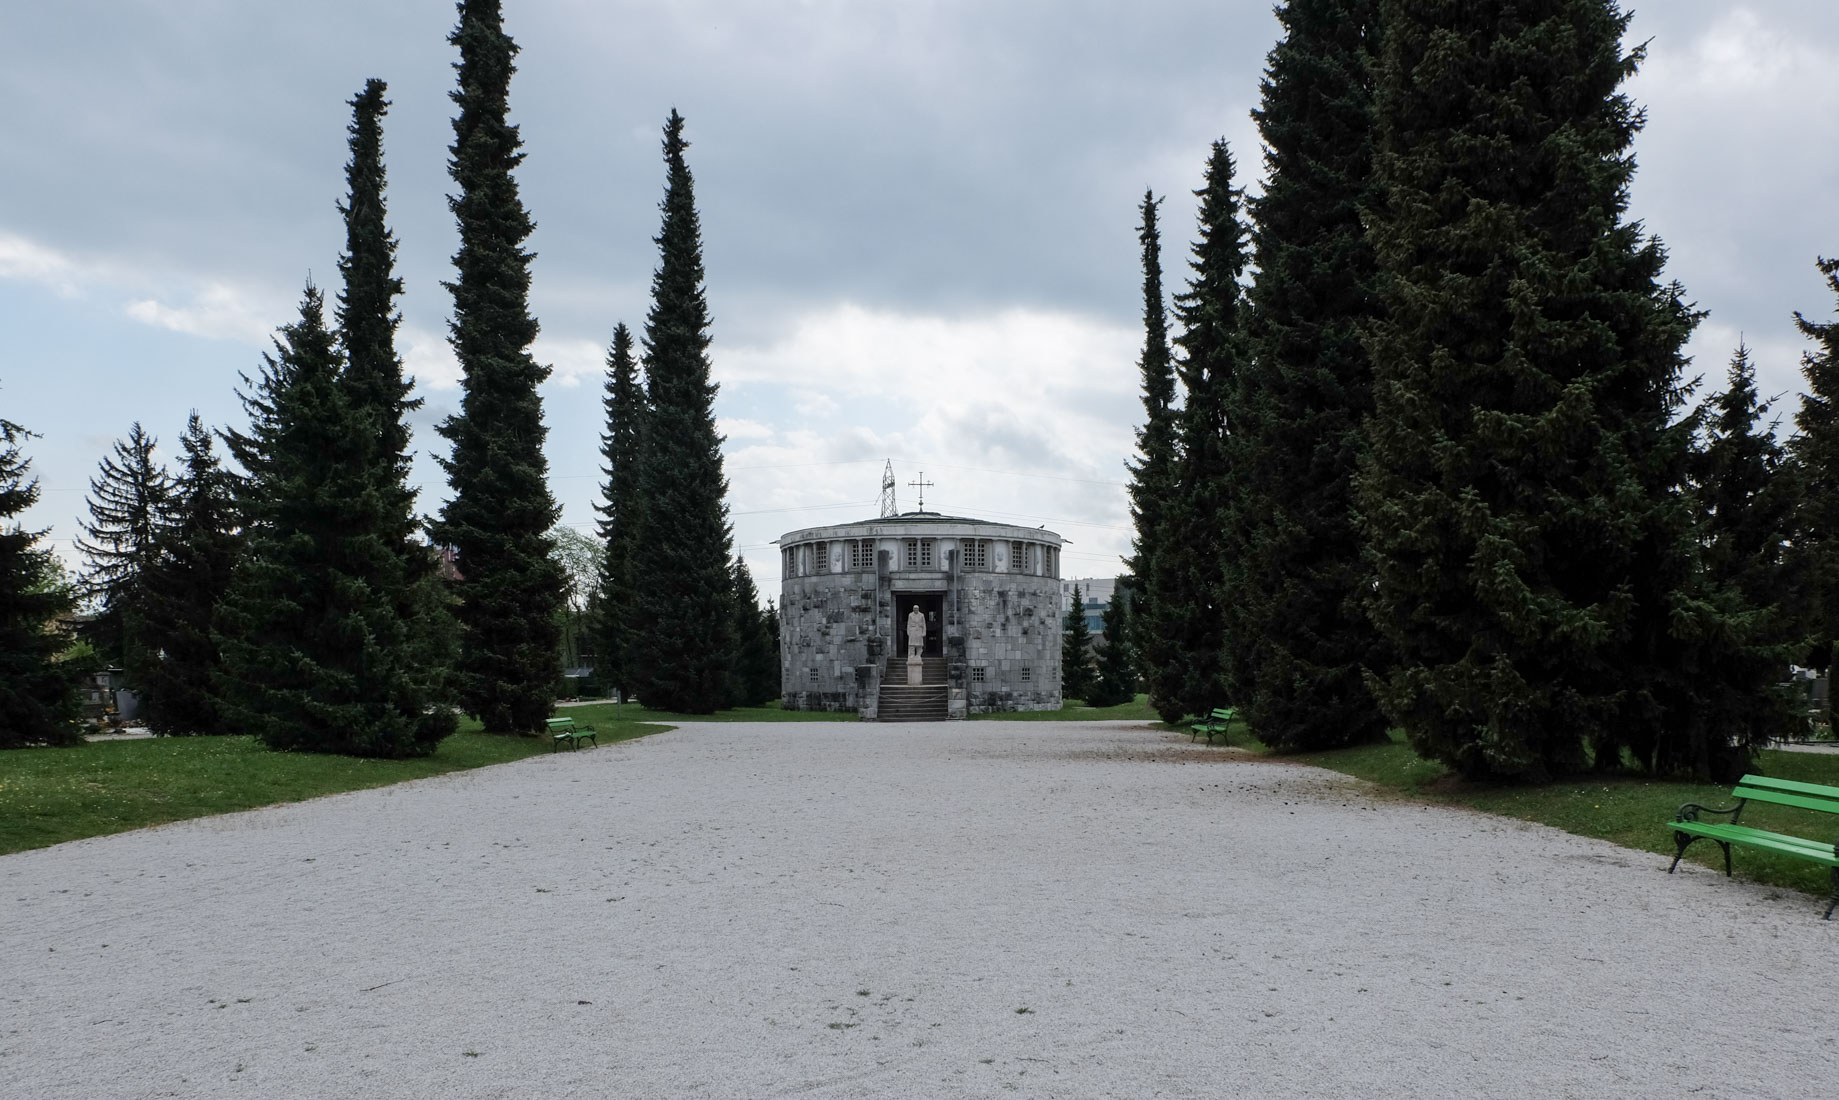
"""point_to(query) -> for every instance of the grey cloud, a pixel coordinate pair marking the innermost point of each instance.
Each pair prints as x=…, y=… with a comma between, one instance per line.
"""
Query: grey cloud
x=949, y=158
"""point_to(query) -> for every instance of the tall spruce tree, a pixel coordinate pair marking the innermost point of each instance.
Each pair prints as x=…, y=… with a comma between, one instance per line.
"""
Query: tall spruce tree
x=1076, y=651
x=130, y=506
x=1116, y=681
x=377, y=395
x=317, y=654
x=500, y=512
x=39, y=703
x=1815, y=448
x=619, y=509
x=197, y=554
x=1521, y=494
x=1203, y=525
x=1298, y=629
x=1153, y=486
x=683, y=599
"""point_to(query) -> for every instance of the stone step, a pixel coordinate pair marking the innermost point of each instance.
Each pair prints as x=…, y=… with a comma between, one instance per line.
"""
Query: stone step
x=912, y=703
x=932, y=671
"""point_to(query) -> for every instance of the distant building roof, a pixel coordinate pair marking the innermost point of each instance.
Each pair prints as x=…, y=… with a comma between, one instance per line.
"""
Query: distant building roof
x=891, y=525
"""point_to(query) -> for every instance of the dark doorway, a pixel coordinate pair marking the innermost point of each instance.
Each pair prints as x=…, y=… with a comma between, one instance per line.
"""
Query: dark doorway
x=933, y=604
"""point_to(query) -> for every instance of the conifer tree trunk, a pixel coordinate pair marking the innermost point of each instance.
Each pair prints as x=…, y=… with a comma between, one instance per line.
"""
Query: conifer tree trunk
x=682, y=619
x=1299, y=635
x=1534, y=556
x=498, y=518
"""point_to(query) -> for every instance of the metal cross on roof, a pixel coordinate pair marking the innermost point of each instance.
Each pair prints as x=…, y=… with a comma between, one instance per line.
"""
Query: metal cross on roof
x=922, y=485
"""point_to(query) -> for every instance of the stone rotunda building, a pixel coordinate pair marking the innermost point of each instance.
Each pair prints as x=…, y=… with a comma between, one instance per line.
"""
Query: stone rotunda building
x=989, y=594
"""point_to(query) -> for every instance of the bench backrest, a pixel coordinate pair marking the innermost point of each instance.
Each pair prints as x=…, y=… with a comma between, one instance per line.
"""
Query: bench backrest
x=1224, y=714
x=1788, y=792
x=561, y=723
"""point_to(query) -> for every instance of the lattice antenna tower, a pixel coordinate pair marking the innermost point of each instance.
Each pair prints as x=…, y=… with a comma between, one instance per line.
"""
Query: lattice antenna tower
x=888, y=507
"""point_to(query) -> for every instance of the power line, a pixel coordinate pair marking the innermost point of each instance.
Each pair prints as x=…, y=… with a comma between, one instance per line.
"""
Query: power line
x=904, y=461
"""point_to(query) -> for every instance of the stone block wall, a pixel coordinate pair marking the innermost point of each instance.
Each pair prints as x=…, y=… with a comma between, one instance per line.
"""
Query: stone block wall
x=826, y=623
x=1011, y=629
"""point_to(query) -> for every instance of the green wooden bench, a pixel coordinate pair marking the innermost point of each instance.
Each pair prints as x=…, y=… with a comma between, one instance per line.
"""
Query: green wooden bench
x=564, y=729
x=1687, y=826
x=1215, y=723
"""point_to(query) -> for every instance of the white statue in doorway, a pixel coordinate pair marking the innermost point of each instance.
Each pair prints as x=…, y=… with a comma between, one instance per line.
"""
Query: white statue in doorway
x=916, y=632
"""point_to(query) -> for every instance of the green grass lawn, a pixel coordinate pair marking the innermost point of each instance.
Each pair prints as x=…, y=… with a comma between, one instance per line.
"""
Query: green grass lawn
x=50, y=795
x=1076, y=711
x=1628, y=810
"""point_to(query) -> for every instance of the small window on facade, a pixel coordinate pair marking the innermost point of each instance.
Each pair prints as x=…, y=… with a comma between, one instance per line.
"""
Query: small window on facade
x=791, y=562
x=912, y=556
x=925, y=552
x=1018, y=557
x=814, y=676
x=861, y=556
x=1027, y=674
x=978, y=674
x=977, y=554
x=820, y=557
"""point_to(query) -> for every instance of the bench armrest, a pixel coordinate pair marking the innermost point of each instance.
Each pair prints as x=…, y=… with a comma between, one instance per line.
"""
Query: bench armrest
x=1691, y=811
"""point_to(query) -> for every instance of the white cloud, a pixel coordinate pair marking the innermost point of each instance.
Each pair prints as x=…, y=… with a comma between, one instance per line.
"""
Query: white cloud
x=740, y=428
x=28, y=261
x=855, y=350
x=1741, y=53
x=572, y=360
x=217, y=312
x=1018, y=416
x=215, y=309
x=428, y=358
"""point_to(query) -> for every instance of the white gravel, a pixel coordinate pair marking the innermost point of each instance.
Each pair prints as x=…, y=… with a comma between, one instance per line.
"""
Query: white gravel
x=841, y=910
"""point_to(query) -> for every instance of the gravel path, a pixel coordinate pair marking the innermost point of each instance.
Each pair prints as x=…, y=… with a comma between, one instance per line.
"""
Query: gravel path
x=835, y=910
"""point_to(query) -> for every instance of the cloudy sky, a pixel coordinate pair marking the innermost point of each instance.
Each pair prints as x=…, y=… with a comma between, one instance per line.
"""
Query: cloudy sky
x=919, y=218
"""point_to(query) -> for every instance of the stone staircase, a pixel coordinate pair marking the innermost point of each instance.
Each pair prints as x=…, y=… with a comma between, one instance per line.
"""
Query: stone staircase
x=923, y=702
